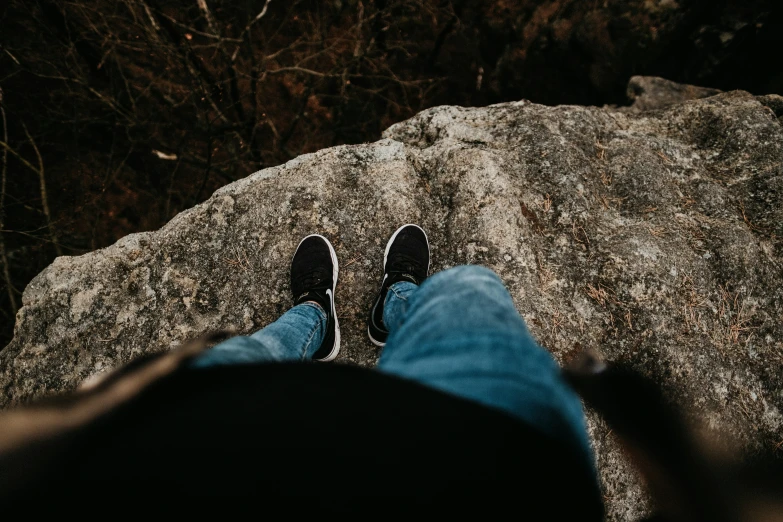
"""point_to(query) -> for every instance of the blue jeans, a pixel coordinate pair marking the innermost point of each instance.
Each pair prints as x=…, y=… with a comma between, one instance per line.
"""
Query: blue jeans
x=296, y=336
x=459, y=333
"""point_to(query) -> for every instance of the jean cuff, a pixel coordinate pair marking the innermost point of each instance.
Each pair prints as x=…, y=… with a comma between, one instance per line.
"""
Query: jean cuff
x=318, y=308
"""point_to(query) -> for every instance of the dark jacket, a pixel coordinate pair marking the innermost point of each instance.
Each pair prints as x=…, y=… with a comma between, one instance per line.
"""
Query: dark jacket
x=339, y=438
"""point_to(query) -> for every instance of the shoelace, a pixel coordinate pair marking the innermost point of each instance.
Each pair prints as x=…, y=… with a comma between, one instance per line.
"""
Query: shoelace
x=406, y=263
x=314, y=277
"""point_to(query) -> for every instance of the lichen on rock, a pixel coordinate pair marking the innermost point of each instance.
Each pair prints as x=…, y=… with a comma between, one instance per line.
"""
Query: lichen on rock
x=653, y=235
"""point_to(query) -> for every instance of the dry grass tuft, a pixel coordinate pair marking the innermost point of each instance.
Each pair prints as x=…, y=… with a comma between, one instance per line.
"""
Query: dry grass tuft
x=240, y=260
x=658, y=231
x=545, y=204
x=666, y=159
x=557, y=322
x=693, y=301
x=599, y=294
x=600, y=151
x=579, y=234
x=734, y=315
x=545, y=276
x=610, y=202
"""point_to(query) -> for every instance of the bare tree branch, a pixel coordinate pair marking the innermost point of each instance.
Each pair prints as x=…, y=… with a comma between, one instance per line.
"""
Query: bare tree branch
x=228, y=91
x=44, y=197
x=302, y=70
x=6, y=267
x=193, y=30
x=151, y=18
x=202, y=4
x=258, y=17
x=19, y=157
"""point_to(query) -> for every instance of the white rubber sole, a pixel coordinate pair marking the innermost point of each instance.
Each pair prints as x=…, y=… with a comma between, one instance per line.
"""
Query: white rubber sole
x=379, y=344
x=385, y=257
x=336, y=350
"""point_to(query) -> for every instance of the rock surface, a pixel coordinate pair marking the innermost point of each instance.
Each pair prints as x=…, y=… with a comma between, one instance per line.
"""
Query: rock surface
x=651, y=92
x=654, y=236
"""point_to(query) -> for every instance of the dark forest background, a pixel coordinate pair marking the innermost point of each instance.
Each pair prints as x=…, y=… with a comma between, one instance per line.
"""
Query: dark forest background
x=118, y=114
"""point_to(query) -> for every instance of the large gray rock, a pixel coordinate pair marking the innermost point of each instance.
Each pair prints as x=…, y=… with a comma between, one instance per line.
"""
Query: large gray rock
x=651, y=92
x=652, y=236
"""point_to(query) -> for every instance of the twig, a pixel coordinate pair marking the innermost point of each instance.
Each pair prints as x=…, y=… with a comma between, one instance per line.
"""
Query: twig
x=12, y=56
x=206, y=171
x=151, y=18
x=193, y=30
x=6, y=268
x=258, y=17
x=168, y=192
x=357, y=48
x=192, y=63
x=18, y=156
x=44, y=198
x=37, y=238
x=202, y=4
x=300, y=69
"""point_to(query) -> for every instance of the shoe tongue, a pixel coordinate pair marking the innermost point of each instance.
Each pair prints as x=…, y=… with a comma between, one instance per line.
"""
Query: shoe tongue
x=314, y=295
x=303, y=297
x=403, y=276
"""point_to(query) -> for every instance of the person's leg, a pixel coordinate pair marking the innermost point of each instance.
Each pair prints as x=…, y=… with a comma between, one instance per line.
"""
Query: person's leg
x=309, y=330
x=460, y=333
x=295, y=336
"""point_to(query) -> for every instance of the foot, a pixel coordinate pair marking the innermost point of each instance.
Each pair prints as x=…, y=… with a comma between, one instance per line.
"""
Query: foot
x=407, y=258
x=314, y=278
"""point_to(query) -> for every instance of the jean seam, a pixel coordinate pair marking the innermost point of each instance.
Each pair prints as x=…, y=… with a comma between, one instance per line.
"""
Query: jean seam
x=320, y=311
x=398, y=294
x=404, y=305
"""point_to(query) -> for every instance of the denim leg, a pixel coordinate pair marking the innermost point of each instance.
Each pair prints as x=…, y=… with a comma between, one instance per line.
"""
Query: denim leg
x=396, y=304
x=460, y=333
x=295, y=336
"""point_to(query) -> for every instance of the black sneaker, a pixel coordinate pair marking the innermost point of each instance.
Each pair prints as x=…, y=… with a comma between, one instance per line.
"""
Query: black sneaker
x=314, y=278
x=407, y=258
